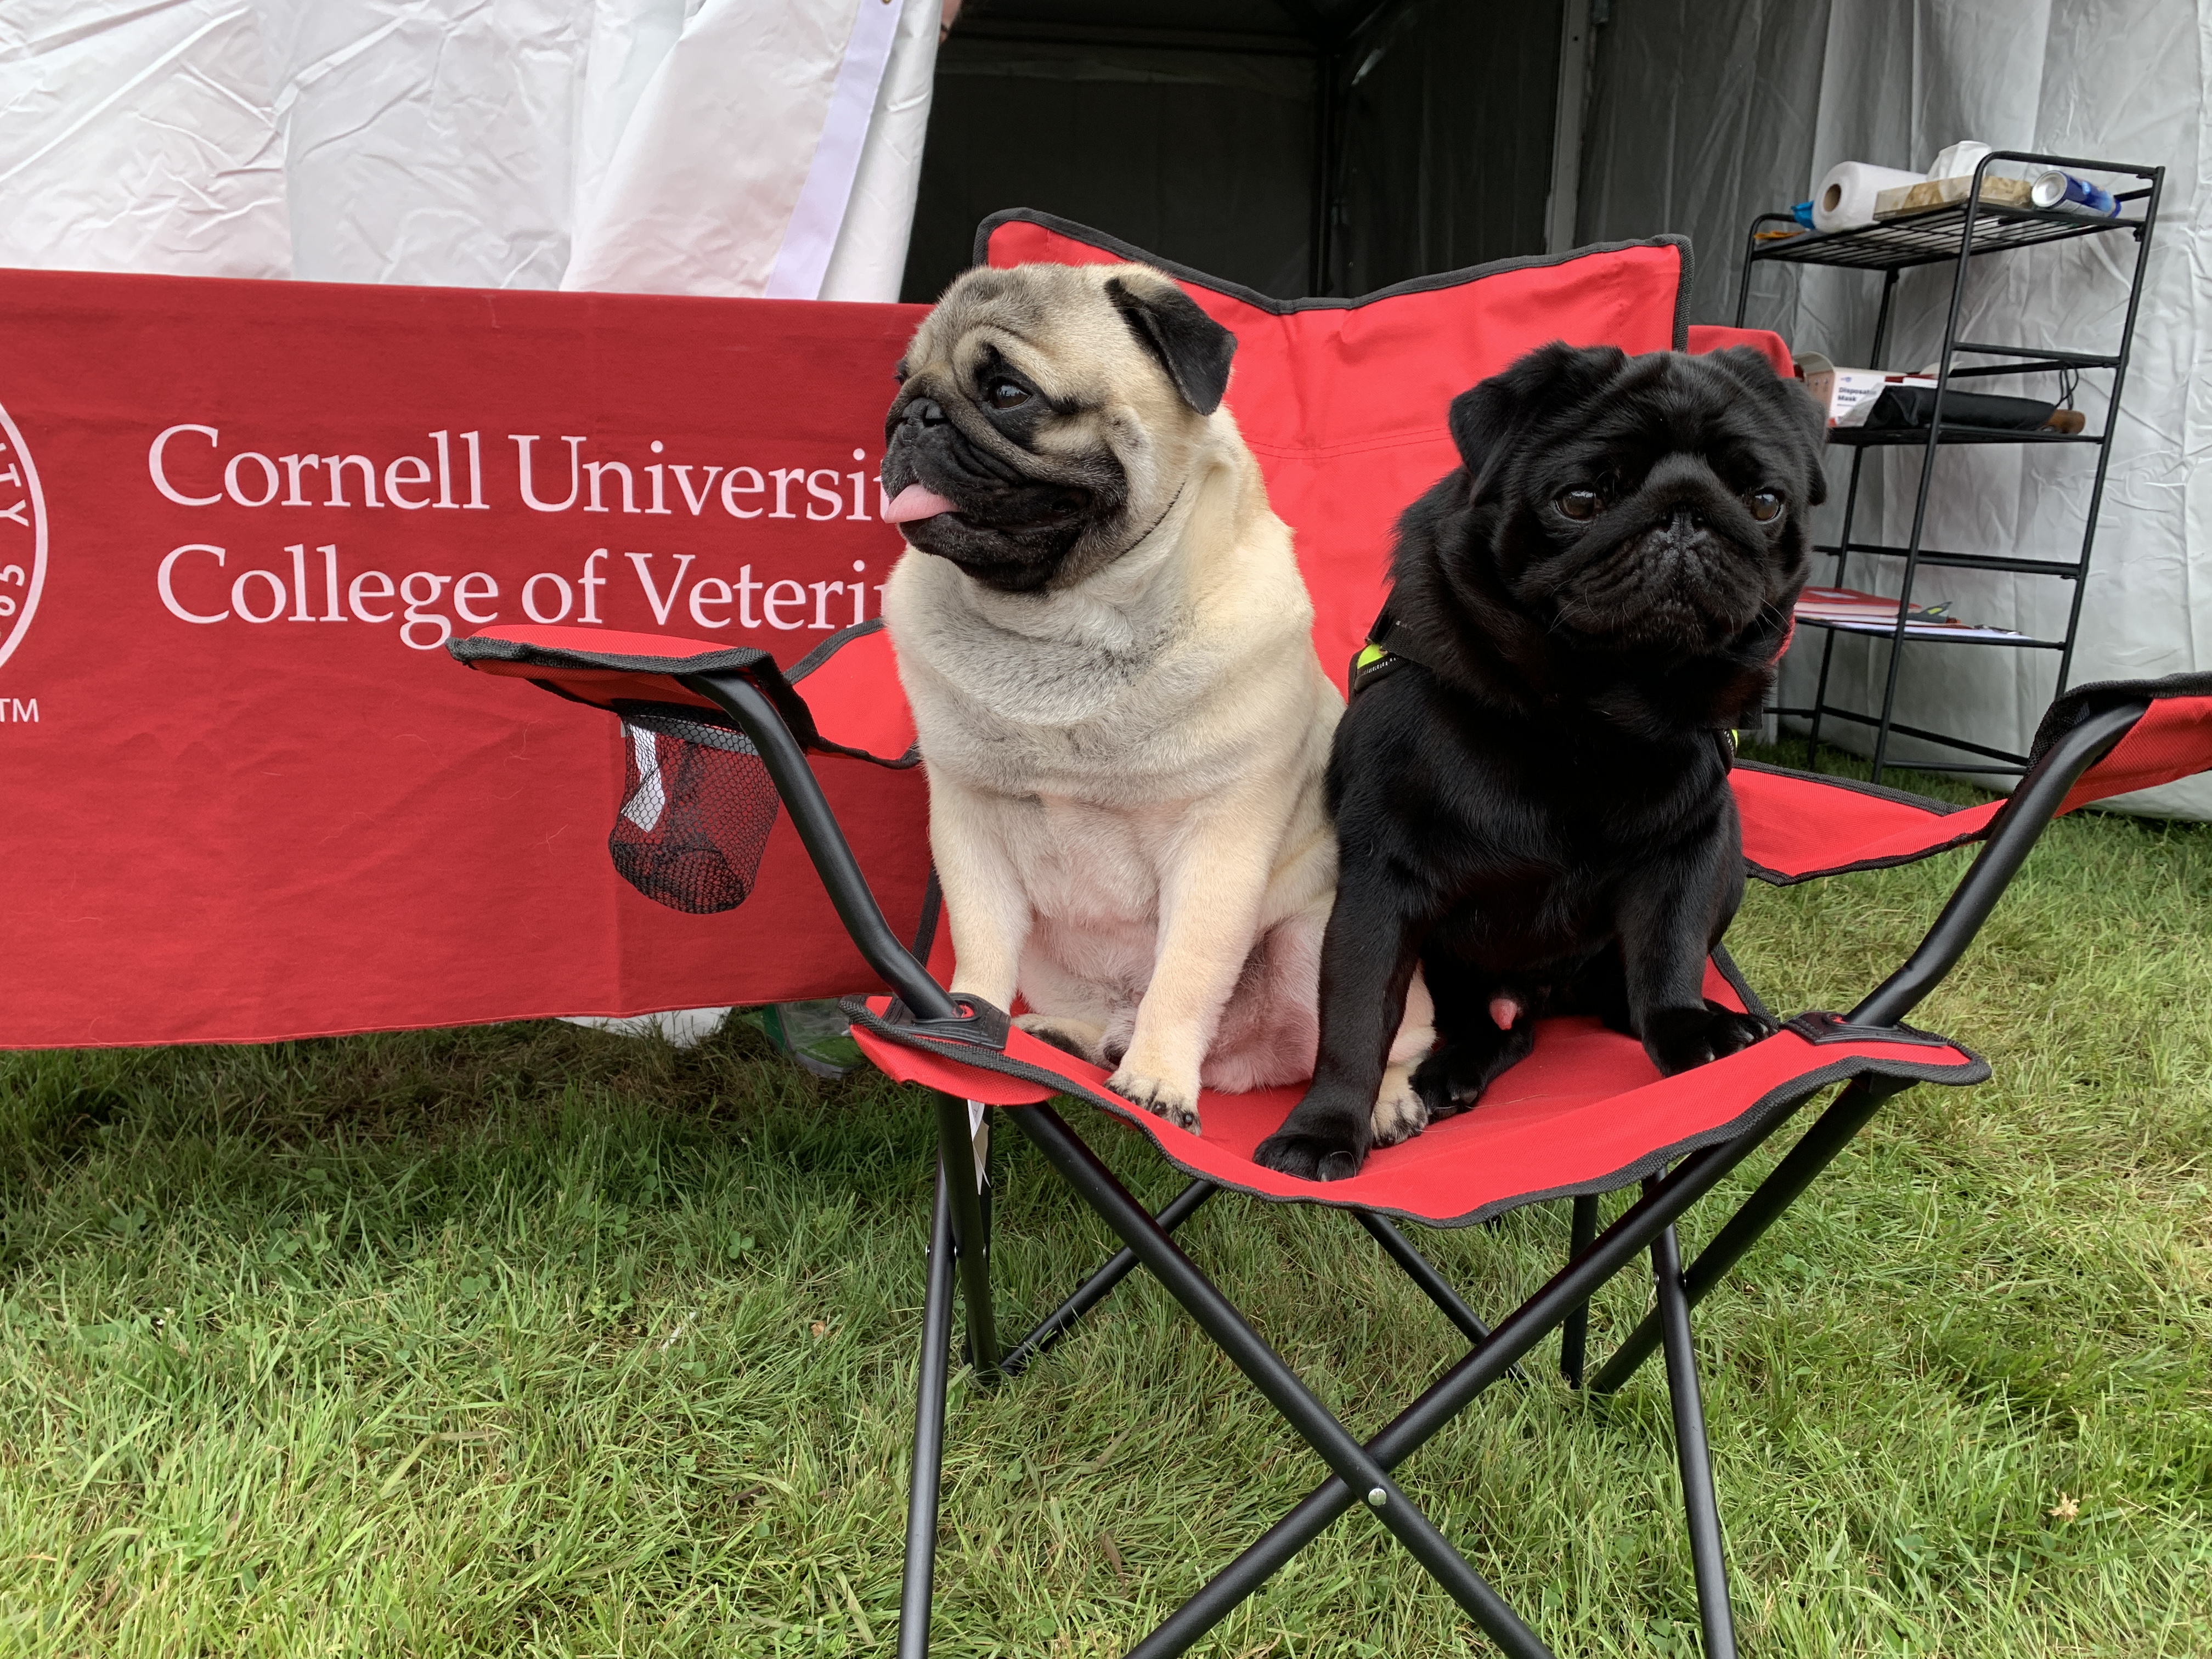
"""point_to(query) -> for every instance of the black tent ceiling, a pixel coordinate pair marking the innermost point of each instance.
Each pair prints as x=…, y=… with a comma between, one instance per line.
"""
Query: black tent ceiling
x=1296, y=146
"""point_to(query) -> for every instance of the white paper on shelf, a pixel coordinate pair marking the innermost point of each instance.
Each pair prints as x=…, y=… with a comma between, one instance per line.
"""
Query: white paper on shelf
x=1848, y=395
x=1962, y=157
x=1953, y=632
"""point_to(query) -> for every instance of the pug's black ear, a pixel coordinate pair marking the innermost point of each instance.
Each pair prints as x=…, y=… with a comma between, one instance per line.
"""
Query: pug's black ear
x=1191, y=346
x=1796, y=412
x=1488, y=417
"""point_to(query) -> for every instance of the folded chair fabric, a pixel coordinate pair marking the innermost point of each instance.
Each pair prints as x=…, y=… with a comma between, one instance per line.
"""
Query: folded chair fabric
x=1334, y=395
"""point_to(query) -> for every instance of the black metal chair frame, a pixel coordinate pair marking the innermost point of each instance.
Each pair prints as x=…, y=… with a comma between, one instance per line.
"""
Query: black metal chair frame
x=1360, y=1473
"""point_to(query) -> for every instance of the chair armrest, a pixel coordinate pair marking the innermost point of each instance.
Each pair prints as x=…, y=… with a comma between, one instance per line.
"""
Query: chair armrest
x=2041, y=793
x=733, y=692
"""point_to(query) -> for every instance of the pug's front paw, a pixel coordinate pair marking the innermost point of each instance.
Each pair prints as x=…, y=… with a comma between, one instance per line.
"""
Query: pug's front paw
x=1310, y=1158
x=1173, y=1102
x=1399, y=1112
x=1677, y=1039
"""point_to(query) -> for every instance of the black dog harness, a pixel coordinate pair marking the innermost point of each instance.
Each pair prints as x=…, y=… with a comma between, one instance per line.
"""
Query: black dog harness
x=1389, y=649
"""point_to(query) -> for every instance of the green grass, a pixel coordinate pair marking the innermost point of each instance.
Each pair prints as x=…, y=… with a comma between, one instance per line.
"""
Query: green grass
x=526, y=1340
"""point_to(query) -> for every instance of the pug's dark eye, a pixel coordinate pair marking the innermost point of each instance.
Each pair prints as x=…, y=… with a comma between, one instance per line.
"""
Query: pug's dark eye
x=1580, y=505
x=1765, y=504
x=1005, y=394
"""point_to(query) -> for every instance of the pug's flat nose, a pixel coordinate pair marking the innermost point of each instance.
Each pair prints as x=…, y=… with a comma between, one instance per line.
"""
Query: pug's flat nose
x=1684, y=519
x=926, y=411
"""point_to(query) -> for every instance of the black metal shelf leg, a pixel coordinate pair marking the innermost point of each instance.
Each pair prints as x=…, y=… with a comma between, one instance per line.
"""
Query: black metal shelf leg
x=1707, y=1559
x=1843, y=558
x=928, y=1433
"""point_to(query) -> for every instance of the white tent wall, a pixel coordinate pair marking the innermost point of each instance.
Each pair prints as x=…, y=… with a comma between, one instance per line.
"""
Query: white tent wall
x=1708, y=112
x=734, y=147
x=138, y=138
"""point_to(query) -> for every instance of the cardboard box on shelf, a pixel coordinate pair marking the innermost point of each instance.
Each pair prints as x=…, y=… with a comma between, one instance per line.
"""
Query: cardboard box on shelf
x=1846, y=396
x=1997, y=191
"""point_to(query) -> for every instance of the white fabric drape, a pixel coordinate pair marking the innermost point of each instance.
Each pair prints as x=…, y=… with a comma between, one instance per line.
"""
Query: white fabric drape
x=735, y=146
x=139, y=137
x=1685, y=136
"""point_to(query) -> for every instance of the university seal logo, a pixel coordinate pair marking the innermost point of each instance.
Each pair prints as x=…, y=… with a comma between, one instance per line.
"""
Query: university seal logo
x=22, y=538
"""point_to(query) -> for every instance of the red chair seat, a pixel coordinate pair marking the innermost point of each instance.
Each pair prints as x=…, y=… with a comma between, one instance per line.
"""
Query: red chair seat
x=1585, y=1113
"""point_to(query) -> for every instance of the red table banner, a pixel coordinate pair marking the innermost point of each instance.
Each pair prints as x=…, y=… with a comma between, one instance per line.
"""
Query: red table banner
x=248, y=795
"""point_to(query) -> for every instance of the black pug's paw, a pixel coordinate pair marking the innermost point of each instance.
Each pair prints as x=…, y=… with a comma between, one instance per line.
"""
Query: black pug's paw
x=1319, y=1141
x=1452, y=1079
x=1677, y=1039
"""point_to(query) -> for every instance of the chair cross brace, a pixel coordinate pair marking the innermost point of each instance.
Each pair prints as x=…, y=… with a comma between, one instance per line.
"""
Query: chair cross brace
x=1093, y=1290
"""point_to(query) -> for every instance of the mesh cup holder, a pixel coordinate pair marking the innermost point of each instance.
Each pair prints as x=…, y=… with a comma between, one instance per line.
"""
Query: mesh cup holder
x=697, y=808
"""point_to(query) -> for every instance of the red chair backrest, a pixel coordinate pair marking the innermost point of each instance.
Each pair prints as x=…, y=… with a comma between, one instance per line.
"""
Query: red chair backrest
x=1343, y=401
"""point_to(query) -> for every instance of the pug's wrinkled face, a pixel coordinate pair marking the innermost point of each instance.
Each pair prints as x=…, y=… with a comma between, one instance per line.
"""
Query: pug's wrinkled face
x=1047, y=418
x=1644, y=503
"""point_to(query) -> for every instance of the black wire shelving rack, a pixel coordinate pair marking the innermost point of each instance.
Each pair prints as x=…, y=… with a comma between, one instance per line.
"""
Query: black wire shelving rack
x=1958, y=232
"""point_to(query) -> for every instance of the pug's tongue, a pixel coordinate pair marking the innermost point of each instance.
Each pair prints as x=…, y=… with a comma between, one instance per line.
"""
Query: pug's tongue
x=916, y=501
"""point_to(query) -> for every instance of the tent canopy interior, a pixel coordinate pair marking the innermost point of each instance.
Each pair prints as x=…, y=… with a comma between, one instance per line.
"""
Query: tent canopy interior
x=1297, y=147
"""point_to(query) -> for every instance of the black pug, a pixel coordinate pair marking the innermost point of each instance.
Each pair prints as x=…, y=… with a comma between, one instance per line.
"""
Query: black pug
x=1531, y=791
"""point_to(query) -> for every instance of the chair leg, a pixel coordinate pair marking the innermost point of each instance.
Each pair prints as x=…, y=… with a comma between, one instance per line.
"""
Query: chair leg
x=1573, y=1336
x=1845, y=1116
x=1515, y=1334
x=964, y=1138
x=1352, y=1463
x=1706, y=1557
x=928, y=1433
x=1431, y=1283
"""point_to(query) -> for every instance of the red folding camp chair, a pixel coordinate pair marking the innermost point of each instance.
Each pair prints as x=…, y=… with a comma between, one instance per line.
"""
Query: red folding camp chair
x=718, y=738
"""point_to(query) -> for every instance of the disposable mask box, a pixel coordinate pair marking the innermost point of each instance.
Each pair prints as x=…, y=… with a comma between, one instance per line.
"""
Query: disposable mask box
x=1846, y=396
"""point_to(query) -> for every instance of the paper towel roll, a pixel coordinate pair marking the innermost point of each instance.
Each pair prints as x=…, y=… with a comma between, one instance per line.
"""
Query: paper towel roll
x=1844, y=199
